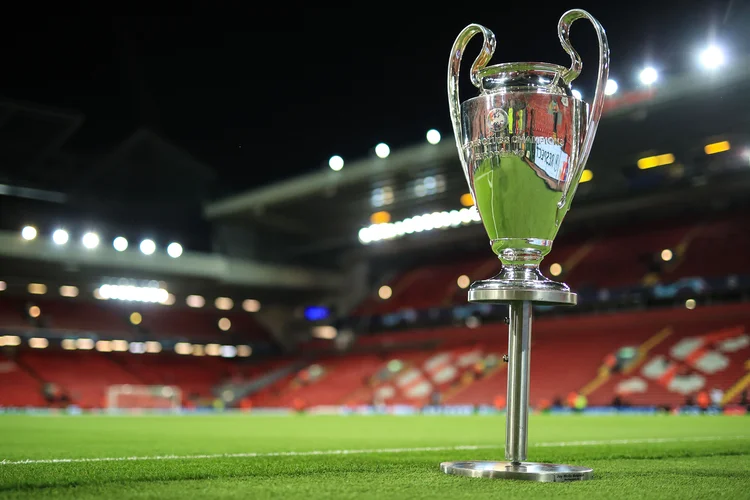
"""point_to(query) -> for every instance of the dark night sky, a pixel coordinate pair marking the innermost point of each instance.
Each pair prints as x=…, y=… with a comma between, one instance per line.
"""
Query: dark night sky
x=267, y=94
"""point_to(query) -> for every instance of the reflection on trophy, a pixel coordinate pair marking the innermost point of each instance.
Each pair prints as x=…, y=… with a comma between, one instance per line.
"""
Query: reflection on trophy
x=523, y=143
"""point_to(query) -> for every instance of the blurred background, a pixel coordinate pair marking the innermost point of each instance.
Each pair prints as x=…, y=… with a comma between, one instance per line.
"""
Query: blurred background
x=266, y=212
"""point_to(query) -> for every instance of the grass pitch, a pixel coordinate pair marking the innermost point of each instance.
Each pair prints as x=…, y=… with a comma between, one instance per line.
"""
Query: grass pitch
x=305, y=456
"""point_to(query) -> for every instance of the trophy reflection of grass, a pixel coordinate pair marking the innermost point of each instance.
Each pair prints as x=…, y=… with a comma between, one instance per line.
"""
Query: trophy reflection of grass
x=516, y=201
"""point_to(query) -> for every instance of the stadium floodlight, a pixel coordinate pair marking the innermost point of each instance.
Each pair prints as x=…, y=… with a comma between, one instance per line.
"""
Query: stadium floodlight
x=60, y=236
x=648, y=75
x=611, y=87
x=134, y=293
x=433, y=136
x=90, y=240
x=120, y=244
x=148, y=247
x=711, y=57
x=382, y=150
x=336, y=163
x=577, y=94
x=418, y=224
x=174, y=250
x=28, y=233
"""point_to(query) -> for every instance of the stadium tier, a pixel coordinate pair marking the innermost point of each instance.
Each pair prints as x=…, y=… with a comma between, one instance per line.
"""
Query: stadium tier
x=662, y=252
x=662, y=357
x=71, y=316
x=659, y=357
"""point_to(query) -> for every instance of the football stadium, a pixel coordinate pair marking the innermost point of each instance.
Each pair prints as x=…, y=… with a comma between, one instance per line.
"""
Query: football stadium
x=220, y=282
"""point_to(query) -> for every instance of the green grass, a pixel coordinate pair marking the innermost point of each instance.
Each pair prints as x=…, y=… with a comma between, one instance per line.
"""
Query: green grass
x=695, y=457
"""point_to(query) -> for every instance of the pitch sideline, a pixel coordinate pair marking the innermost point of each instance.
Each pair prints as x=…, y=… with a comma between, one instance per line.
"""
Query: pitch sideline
x=361, y=452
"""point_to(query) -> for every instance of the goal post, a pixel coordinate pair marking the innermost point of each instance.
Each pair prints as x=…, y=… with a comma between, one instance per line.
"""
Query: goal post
x=143, y=397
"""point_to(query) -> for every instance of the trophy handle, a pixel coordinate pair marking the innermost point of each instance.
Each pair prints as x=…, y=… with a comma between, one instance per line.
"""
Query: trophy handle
x=563, y=30
x=454, y=68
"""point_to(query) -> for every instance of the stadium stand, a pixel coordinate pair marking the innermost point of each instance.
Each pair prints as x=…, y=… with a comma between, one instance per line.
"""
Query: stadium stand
x=80, y=316
x=663, y=356
x=618, y=258
x=20, y=388
x=570, y=353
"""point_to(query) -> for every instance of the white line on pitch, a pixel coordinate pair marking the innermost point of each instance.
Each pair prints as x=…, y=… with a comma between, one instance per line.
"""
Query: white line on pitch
x=360, y=452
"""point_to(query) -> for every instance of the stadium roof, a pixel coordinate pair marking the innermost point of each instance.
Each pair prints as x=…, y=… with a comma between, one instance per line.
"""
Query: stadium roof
x=326, y=209
x=35, y=153
x=123, y=189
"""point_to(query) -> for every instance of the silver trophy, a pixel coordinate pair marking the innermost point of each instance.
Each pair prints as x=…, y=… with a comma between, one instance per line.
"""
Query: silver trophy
x=523, y=143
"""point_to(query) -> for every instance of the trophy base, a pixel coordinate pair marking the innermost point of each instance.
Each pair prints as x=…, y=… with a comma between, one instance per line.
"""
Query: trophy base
x=521, y=283
x=526, y=471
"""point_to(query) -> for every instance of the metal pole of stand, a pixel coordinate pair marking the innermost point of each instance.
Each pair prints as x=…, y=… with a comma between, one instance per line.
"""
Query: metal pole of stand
x=519, y=355
x=515, y=465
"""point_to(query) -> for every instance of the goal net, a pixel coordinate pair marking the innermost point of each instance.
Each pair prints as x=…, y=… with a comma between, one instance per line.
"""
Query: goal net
x=144, y=397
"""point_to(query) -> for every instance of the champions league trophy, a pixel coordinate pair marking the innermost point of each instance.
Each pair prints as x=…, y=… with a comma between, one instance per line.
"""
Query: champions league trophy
x=523, y=143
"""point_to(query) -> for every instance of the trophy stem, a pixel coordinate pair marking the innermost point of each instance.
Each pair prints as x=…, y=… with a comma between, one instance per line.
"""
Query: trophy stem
x=519, y=353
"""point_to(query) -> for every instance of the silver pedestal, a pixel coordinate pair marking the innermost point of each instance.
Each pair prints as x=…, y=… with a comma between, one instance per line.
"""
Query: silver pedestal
x=527, y=471
x=517, y=418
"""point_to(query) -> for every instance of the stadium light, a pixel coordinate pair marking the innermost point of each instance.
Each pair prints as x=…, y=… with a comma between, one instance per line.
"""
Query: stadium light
x=148, y=247
x=325, y=332
x=225, y=324
x=85, y=344
x=717, y=147
x=655, y=161
x=90, y=240
x=336, y=163
x=132, y=293
x=28, y=233
x=137, y=347
x=174, y=250
x=60, y=237
x=382, y=150
x=195, y=301
x=610, y=88
x=463, y=281
x=37, y=288
x=35, y=311
x=38, y=343
x=711, y=57
x=648, y=75
x=183, y=348
x=418, y=224
x=68, y=291
x=577, y=94
x=380, y=217
x=251, y=305
x=120, y=244
x=223, y=303
x=433, y=136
